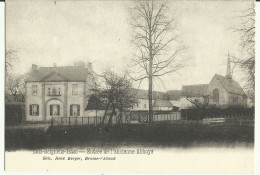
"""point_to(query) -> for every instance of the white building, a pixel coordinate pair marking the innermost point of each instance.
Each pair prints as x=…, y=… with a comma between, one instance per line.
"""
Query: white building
x=57, y=92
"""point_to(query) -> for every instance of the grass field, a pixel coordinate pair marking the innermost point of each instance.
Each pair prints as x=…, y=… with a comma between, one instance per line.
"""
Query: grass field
x=161, y=135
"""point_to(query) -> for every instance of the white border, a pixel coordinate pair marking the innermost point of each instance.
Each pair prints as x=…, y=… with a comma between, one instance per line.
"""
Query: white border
x=2, y=63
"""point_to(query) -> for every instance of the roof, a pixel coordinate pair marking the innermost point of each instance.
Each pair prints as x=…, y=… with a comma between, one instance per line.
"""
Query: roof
x=162, y=103
x=64, y=73
x=229, y=84
x=143, y=94
x=173, y=94
x=197, y=90
x=95, y=103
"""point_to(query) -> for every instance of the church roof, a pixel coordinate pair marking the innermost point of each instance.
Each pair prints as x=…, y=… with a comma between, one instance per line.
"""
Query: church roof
x=64, y=73
x=197, y=90
x=229, y=85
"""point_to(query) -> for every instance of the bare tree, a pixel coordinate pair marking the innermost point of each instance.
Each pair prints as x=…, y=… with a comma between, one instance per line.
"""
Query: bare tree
x=155, y=41
x=246, y=60
x=11, y=58
x=14, y=84
x=199, y=102
x=115, y=92
x=15, y=88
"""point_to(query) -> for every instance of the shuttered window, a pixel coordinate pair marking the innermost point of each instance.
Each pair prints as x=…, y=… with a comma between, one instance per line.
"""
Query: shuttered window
x=34, y=110
x=74, y=110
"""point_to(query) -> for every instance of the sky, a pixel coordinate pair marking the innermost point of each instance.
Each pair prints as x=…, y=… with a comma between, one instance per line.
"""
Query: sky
x=45, y=32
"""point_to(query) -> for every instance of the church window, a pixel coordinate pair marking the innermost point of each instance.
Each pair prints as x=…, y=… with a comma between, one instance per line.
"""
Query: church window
x=215, y=96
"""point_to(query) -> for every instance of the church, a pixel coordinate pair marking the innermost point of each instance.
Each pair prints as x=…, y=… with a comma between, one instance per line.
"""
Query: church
x=222, y=92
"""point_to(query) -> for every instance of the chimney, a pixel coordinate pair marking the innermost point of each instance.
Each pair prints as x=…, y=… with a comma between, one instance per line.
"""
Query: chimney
x=54, y=65
x=34, y=67
x=228, y=73
x=89, y=66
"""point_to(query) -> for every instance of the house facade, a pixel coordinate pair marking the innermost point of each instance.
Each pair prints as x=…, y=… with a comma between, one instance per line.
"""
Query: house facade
x=57, y=92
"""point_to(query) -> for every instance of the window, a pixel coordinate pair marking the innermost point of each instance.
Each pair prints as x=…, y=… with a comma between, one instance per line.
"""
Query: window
x=34, y=110
x=233, y=99
x=49, y=91
x=54, y=91
x=59, y=91
x=215, y=96
x=75, y=110
x=34, y=90
x=144, y=106
x=54, y=110
x=74, y=89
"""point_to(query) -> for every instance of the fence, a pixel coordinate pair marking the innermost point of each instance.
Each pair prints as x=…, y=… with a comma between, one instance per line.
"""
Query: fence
x=76, y=121
x=158, y=116
x=200, y=114
x=167, y=117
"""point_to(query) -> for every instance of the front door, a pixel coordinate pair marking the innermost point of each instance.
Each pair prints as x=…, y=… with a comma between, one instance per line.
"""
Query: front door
x=54, y=110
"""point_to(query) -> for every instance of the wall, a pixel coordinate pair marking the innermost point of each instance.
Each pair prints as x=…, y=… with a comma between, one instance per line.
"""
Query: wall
x=76, y=99
x=176, y=103
x=163, y=108
x=94, y=113
x=30, y=99
x=223, y=95
x=54, y=99
x=44, y=100
x=143, y=104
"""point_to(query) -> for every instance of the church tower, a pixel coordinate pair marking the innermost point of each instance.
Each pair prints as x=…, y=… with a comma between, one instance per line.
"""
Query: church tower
x=228, y=73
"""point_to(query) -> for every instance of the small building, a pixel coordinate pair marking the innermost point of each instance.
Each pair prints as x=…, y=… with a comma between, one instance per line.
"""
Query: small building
x=162, y=105
x=160, y=102
x=193, y=93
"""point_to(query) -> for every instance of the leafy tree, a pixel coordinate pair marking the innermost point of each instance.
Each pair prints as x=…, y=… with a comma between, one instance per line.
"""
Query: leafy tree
x=115, y=91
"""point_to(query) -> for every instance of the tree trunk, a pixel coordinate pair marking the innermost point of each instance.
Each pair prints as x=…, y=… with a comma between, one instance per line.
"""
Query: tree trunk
x=150, y=98
x=105, y=114
x=110, y=117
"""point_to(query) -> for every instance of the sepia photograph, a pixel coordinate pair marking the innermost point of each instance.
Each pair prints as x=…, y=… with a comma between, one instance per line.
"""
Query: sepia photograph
x=130, y=86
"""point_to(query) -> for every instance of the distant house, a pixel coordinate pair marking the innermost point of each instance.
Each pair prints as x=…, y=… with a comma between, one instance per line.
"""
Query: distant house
x=174, y=96
x=95, y=107
x=57, y=91
x=160, y=102
x=193, y=92
x=162, y=105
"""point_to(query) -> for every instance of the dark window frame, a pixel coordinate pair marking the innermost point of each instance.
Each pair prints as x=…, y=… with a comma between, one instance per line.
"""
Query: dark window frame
x=31, y=110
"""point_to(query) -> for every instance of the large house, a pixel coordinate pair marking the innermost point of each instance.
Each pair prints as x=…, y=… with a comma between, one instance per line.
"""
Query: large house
x=57, y=91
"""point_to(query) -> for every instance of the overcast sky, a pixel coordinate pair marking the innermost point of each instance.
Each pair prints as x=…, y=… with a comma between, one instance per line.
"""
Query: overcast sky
x=46, y=32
